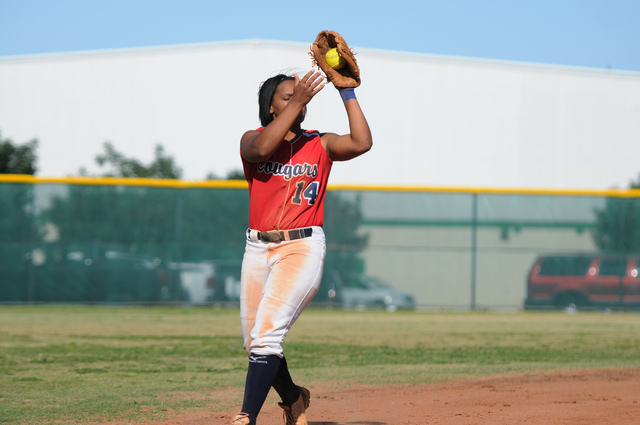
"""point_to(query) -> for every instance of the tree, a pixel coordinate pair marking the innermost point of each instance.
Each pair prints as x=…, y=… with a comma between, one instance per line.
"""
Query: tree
x=235, y=175
x=163, y=166
x=343, y=217
x=18, y=231
x=17, y=159
x=165, y=222
x=618, y=224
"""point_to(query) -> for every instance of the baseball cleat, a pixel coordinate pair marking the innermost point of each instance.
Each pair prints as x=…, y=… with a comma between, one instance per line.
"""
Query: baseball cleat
x=241, y=419
x=295, y=414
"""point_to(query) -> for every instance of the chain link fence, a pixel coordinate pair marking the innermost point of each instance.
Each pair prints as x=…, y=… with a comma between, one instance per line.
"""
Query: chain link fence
x=83, y=240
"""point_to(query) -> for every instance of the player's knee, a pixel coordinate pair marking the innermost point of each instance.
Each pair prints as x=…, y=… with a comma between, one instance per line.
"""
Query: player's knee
x=265, y=349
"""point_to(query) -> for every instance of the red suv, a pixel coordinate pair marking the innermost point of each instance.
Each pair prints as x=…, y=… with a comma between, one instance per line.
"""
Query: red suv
x=584, y=280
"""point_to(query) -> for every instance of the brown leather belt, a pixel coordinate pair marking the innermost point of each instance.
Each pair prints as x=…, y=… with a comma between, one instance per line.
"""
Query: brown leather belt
x=285, y=235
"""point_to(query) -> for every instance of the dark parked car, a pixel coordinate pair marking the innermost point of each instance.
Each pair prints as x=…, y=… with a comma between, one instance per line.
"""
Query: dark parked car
x=584, y=280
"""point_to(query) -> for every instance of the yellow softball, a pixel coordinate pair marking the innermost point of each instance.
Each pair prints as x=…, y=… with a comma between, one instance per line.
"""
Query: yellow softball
x=334, y=59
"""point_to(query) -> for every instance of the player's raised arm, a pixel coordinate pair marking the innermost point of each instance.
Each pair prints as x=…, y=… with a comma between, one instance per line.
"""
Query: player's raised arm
x=358, y=141
x=286, y=112
x=333, y=55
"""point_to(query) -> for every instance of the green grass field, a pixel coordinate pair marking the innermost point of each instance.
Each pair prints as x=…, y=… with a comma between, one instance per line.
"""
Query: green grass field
x=78, y=365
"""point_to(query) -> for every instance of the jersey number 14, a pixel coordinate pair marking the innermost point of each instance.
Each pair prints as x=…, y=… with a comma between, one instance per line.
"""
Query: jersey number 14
x=310, y=193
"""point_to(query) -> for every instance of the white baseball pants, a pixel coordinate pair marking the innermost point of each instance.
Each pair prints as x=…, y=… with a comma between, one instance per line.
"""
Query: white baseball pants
x=278, y=281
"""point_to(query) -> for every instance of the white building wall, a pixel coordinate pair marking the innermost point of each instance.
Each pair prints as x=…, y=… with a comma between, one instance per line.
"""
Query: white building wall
x=437, y=121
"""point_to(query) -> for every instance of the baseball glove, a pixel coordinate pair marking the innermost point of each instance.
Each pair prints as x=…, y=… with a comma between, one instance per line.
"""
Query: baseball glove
x=347, y=76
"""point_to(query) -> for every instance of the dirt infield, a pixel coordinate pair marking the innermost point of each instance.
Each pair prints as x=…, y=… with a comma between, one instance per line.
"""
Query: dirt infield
x=592, y=397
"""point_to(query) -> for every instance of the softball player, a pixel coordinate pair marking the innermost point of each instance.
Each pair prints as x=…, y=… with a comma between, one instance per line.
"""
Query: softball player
x=287, y=169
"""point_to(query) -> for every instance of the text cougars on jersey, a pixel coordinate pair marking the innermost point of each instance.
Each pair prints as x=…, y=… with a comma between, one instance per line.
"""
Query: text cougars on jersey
x=287, y=170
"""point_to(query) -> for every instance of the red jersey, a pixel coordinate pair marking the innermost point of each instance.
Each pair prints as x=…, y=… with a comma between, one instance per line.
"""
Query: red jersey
x=287, y=191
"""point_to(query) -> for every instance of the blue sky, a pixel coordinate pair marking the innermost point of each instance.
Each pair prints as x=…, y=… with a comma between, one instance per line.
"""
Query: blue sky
x=584, y=33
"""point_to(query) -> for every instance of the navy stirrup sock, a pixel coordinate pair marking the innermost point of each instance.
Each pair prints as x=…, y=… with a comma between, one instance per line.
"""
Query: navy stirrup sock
x=260, y=376
x=284, y=386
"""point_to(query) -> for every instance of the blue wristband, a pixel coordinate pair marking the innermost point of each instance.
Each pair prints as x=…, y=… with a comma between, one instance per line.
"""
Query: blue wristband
x=347, y=94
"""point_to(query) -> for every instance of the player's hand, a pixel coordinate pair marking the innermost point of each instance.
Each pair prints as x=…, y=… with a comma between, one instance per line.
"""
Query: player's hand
x=307, y=87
